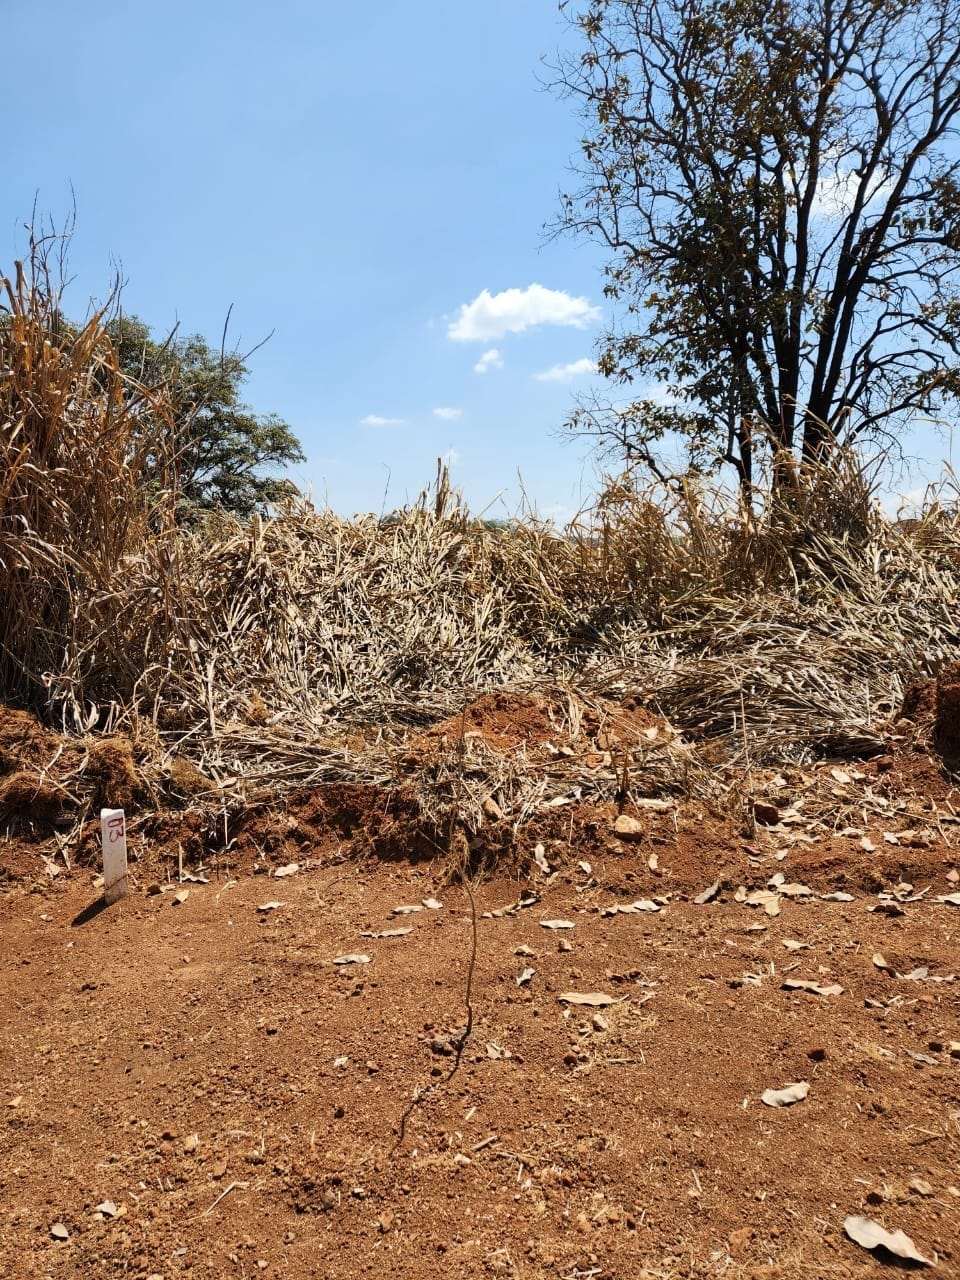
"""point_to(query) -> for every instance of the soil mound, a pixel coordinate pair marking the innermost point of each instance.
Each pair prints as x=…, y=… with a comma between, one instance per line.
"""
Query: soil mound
x=947, y=712
x=505, y=720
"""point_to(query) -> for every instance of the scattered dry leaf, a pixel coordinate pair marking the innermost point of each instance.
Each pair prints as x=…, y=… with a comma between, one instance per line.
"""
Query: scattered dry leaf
x=631, y=908
x=354, y=957
x=595, y=999
x=800, y=984
x=787, y=1096
x=870, y=1235
x=708, y=895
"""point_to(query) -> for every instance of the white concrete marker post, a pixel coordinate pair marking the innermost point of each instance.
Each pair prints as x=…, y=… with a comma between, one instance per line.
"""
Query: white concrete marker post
x=113, y=834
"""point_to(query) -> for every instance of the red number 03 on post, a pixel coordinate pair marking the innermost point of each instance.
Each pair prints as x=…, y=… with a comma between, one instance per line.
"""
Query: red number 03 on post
x=113, y=834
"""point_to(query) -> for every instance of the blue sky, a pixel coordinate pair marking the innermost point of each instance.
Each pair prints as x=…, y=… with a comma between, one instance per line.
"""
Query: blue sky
x=353, y=178
x=370, y=183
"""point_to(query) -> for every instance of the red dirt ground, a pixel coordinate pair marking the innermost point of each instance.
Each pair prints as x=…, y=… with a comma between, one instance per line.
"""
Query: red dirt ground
x=195, y=1088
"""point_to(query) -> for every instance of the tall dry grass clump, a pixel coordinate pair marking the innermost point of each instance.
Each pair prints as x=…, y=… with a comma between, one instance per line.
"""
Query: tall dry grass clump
x=74, y=502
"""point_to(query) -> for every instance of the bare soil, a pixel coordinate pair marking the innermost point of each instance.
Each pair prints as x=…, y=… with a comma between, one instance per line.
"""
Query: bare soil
x=190, y=1085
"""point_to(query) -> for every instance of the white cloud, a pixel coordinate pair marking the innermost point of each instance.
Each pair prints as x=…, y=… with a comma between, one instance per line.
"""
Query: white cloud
x=491, y=359
x=492, y=315
x=375, y=420
x=837, y=190
x=567, y=372
x=448, y=415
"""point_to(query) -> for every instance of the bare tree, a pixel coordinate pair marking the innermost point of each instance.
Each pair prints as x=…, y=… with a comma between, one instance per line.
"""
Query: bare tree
x=777, y=184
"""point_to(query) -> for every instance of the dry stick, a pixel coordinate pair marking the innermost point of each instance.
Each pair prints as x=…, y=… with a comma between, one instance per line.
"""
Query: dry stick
x=223, y=1194
x=461, y=1041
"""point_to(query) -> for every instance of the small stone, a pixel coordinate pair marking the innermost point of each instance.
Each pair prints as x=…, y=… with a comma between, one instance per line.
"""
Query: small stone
x=920, y=1187
x=386, y=1221
x=59, y=1231
x=599, y=1022
x=153, y=890
x=191, y=1142
x=628, y=828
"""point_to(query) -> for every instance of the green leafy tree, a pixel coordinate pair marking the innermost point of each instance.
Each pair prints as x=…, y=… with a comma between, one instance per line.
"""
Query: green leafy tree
x=776, y=182
x=223, y=452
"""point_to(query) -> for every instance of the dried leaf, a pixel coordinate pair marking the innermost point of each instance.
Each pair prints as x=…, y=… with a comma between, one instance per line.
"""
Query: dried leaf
x=525, y=900
x=951, y=899
x=353, y=958
x=800, y=984
x=556, y=924
x=290, y=869
x=631, y=908
x=270, y=906
x=867, y=845
x=787, y=1096
x=181, y=897
x=796, y=891
x=595, y=999
x=839, y=896
x=887, y=909
x=408, y=910
x=870, y=1235
x=883, y=964
x=762, y=898
x=387, y=933
x=708, y=895
x=432, y=904
x=540, y=858
x=524, y=976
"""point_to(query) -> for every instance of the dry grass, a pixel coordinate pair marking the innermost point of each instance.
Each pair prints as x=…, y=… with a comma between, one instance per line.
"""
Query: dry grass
x=305, y=648
x=73, y=505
